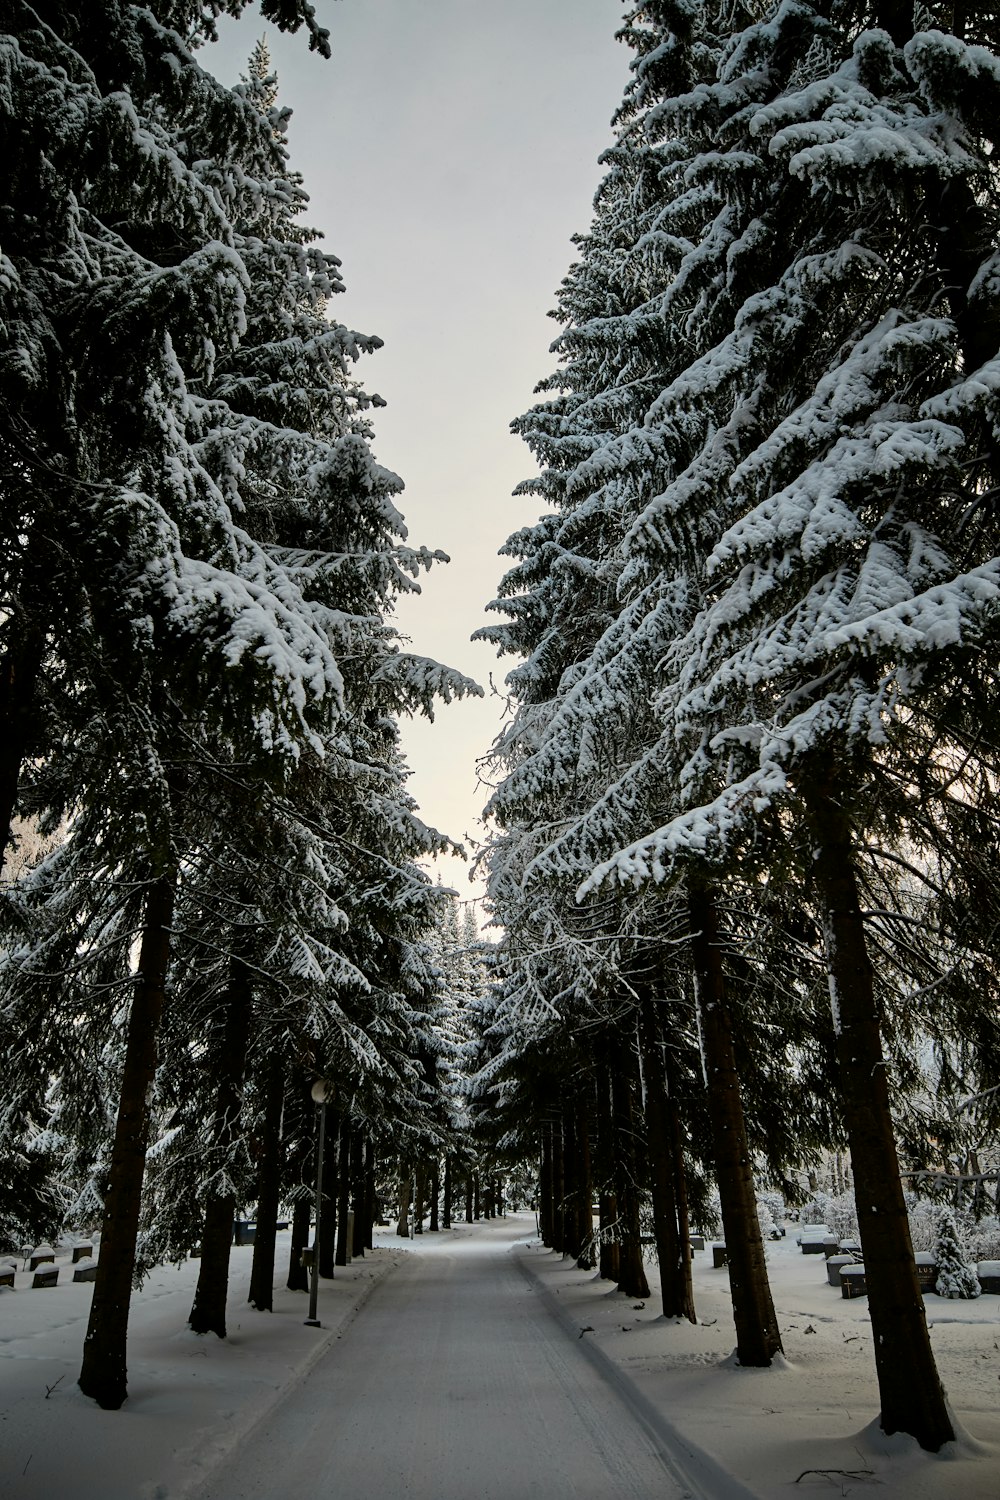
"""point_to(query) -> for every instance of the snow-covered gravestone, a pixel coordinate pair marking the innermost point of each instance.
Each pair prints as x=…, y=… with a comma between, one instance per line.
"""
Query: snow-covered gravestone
x=989, y=1275
x=955, y=1276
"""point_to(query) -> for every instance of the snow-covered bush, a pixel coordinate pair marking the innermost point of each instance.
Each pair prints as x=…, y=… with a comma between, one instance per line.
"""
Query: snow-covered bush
x=771, y=1214
x=955, y=1276
x=838, y=1213
x=980, y=1238
x=923, y=1216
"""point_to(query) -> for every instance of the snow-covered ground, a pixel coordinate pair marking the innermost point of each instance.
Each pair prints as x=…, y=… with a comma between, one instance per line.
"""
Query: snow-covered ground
x=818, y=1409
x=192, y=1400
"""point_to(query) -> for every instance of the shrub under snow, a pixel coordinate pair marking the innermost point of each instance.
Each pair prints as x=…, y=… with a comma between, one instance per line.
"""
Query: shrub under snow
x=955, y=1277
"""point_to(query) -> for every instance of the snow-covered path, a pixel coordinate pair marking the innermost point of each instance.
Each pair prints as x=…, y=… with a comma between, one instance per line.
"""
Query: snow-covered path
x=458, y=1381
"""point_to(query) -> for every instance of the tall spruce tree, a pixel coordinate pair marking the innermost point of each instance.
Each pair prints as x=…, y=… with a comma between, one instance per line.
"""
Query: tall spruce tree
x=851, y=583
x=595, y=627
x=195, y=525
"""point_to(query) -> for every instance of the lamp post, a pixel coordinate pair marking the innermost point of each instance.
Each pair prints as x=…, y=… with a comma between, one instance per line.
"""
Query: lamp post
x=322, y=1092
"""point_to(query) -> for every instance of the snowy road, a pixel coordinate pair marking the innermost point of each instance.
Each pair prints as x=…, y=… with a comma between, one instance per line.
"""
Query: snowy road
x=455, y=1382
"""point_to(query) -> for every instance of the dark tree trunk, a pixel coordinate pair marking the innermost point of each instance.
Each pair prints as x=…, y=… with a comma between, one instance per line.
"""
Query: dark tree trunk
x=912, y=1397
x=577, y=1184
x=298, y=1276
x=607, y=1208
x=757, y=1336
x=371, y=1200
x=343, y=1190
x=475, y=1195
x=609, y=1259
x=419, y=1198
x=585, y=1187
x=570, y=1184
x=672, y=1252
x=545, y=1190
x=683, y=1217
x=359, y=1193
x=558, y=1187
x=446, y=1207
x=405, y=1191
x=469, y=1214
x=261, y=1294
x=435, y=1194
x=631, y=1271
x=104, y=1373
x=19, y=669
x=208, y=1311
x=328, y=1204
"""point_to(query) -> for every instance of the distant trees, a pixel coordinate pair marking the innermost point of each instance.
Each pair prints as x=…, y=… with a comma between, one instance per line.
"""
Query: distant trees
x=198, y=680
x=757, y=621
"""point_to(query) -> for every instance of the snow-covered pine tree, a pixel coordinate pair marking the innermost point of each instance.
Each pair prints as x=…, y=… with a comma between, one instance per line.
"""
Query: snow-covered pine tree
x=955, y=1277
x=851, y=587
x=583, y=743
x=220, y=532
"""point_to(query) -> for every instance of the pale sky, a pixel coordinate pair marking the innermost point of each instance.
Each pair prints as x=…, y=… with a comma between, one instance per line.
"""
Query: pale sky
x=450, y=151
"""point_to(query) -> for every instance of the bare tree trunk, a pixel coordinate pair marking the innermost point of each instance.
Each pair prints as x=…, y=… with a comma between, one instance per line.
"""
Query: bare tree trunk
x=585, y=1181
x=261, y=1295
x=545, y=1185
x=913, y=1400
x=446, y=1207
x=343, y=1189
x=558, y=1187
x=104, y=1373
x=571, y=1188
x=435, y=1193
x=631, y=1271
x=608, y=1260
x=405, y=1191
x=420, y=1193
x=359, y=1193
x=208, y=1312
x=757, y=1336
x=298, y=1277
x=330, y=1195
x=683, y=1217
x=19, y=670
x=672, y=1251
x=468, y=1199
x=371, y=1201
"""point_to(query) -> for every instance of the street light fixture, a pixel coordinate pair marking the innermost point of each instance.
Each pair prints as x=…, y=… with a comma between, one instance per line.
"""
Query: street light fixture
x=322, y=1093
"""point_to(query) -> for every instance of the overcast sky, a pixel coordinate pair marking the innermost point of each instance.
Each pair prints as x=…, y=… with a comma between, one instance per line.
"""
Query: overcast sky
x=450, y=151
